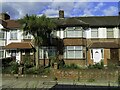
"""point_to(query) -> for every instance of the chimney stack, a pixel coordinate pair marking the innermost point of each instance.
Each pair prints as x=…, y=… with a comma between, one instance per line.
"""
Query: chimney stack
x=61, y=14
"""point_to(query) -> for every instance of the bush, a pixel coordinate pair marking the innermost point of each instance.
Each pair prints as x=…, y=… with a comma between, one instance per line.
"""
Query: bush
x=61, y=63
x=97, y=66
x=91, y=80
x=55, y=78
x=14, y=67
x=119, y=80
x=33, y=70
x=27, y=62
x=71, y=66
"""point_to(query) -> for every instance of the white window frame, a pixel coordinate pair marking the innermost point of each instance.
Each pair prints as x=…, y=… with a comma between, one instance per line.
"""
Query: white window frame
x=94, y=33
x=12, y=35
x=75, y=31
x=74, y=50
x=2, y=56
x=2, y=32
x=110, y=30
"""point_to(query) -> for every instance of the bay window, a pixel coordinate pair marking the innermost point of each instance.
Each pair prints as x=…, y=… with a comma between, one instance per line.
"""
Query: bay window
x=73, y=52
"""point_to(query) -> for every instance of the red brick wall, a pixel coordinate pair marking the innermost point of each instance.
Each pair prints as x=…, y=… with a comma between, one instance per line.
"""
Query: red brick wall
x=74, y=41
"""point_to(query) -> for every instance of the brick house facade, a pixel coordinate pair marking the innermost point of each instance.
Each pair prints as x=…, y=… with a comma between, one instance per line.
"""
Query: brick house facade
x=81, y=40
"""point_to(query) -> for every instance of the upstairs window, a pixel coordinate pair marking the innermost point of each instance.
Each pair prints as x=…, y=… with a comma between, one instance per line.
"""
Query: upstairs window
x=2, y=35
x=13, y=35
x=74, y=32
x=1, y=53
x=94, y=33
x=110, y=33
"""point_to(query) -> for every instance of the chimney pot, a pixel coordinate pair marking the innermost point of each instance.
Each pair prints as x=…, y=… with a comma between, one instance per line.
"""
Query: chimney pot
x=61, y=14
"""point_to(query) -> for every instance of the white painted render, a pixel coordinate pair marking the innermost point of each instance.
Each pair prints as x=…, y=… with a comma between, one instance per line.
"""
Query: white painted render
x=102, y=33
x=2, y=42
x=116, y=32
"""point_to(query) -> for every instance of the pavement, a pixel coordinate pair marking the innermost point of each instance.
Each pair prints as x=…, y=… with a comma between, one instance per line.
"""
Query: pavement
x=45, y=82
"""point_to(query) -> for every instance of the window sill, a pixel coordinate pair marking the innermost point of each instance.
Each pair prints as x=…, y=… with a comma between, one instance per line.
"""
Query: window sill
x=2, y=38
x=13, y=39
x=74, y=58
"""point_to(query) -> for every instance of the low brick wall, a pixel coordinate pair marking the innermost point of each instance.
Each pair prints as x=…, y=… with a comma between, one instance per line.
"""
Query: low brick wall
x=96, y=74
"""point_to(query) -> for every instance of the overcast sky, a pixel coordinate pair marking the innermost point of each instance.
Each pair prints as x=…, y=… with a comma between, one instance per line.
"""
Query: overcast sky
x=51, y=9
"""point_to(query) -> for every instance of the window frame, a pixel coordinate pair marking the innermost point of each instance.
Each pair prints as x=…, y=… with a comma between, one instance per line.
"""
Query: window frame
x=75, y=31
x=74, y=50
x=110, y=30
x=4, y=36
x=47, y=53
x=95, y=30
x=1, y=53
x=12, y=35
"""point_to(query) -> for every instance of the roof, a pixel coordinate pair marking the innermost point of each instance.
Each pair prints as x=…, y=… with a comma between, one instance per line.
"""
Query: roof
x=101, y=21
x=66, y=22
x=12, y=24
x=104, y=45
x=92, y=21
x=19, y=45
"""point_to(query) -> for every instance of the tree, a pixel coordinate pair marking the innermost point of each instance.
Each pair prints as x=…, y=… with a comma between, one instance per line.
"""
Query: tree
x=40, y=28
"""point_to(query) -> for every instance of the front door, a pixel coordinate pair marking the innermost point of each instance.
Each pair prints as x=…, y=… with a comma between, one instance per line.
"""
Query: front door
x=97, y=55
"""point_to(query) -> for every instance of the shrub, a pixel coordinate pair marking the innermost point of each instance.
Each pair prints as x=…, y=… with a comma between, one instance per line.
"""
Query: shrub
x=97, y=65
x=119, y=80
x=14, y=67
x=91, y=80
x=33, y=70
x=61, y=63
x=55, y=78
x=71, y=66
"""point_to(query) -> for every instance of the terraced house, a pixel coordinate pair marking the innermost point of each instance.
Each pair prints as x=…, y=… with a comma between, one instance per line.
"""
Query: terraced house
x=80, y=40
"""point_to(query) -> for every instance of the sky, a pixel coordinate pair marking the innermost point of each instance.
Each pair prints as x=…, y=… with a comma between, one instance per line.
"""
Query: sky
x=75, y=8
